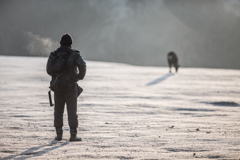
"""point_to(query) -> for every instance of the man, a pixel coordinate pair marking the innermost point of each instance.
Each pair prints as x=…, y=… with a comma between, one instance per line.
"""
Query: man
x=66, y=89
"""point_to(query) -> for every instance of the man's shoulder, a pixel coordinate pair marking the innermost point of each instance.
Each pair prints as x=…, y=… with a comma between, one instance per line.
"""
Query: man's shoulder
x=76, y=51
x=53, y=52
x=52, y=55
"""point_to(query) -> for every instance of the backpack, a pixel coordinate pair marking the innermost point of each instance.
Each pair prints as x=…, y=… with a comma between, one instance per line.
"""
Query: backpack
x=59, y=63
x=58, y=67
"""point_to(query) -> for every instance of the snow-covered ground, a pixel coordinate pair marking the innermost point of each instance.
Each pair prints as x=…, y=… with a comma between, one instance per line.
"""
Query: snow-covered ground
x=125, y=112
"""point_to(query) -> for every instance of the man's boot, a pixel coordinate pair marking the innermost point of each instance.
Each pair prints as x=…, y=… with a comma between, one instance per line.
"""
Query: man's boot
x=73, y=132
x=59, y=132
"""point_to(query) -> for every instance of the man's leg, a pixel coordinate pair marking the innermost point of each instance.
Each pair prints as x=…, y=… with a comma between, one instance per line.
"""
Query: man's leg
x=71, y=101
x=58, y=114
x=59, y=132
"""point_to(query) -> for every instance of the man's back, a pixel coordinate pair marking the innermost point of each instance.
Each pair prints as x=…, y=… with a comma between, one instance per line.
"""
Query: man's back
x=76, y=67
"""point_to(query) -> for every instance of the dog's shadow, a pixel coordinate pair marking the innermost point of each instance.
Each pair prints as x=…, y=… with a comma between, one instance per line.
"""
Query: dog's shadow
x=37, y=151
x=163, y=78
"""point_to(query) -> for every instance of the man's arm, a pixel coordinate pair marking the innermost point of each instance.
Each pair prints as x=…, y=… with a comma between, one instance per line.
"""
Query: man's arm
x=81, y=67
x=48, y=68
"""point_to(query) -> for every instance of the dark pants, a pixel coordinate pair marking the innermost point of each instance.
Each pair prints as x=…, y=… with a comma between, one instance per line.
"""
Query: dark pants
x=68, y=97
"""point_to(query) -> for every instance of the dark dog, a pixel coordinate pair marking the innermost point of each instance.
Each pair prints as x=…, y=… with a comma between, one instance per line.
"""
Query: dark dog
x=172, y=60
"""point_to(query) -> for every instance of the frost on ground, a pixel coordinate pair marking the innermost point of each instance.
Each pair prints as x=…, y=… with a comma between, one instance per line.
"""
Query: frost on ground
x=125, y=112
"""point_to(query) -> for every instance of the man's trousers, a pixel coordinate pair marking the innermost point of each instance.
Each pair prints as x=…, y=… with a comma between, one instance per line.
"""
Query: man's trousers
x=69, y=97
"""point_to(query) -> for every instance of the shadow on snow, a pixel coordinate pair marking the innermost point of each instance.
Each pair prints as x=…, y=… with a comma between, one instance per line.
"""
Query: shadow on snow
x=32, y=152
x=223, y=104
x=156, y=81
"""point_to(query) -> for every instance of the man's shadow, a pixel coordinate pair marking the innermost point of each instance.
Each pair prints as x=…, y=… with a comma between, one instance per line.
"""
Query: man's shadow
x=156, y=81
x=33, y=152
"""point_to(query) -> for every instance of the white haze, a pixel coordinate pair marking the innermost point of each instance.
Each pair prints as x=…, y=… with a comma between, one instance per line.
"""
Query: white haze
x=232, y=6
x=40, y=46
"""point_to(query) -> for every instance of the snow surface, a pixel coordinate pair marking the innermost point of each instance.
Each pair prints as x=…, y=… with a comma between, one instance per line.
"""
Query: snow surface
x=125, y=112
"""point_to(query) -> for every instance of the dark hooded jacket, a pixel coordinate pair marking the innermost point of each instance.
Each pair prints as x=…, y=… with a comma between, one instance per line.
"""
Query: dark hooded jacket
x=76, y=67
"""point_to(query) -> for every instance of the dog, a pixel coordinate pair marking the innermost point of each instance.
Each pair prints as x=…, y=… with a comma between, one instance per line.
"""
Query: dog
x=172, y=60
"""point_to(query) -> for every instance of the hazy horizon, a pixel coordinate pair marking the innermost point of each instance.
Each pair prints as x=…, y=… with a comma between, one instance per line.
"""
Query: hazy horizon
x=139, y=32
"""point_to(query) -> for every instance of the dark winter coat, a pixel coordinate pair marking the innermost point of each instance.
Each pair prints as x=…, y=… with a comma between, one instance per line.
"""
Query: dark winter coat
x=76, y=67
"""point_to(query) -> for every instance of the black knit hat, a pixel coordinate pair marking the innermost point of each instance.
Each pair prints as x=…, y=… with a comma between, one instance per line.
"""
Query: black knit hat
x=66, y=40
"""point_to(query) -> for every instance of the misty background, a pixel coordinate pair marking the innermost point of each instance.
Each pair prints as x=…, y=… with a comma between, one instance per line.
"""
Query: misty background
x=203, y=33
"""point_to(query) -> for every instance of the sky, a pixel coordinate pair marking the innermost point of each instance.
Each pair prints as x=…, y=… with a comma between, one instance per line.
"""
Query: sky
x=138, y=32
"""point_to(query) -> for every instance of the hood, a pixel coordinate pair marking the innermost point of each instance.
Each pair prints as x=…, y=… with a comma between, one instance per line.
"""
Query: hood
x=63, y=50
